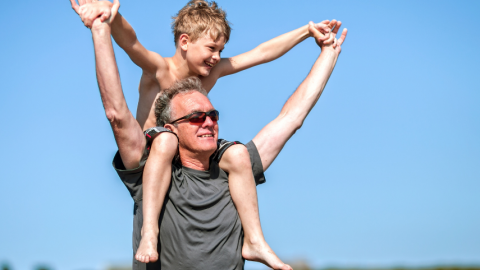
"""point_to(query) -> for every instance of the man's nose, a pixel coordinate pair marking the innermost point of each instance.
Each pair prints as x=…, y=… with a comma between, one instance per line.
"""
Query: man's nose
x=208, y=122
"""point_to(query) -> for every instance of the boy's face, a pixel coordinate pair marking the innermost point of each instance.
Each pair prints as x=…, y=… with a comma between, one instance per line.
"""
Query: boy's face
x=203, y=54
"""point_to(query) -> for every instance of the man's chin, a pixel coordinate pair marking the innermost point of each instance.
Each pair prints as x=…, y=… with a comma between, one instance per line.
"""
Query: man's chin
x=207, y=144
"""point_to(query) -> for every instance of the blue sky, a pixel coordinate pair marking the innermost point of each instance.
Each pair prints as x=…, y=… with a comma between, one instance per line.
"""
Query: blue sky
x=384, y=172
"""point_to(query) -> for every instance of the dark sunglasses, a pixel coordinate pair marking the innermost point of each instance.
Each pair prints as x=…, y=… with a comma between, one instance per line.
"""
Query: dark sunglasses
x=200, y=117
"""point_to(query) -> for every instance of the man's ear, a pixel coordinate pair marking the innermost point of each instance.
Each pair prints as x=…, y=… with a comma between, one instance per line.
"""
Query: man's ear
x=171, y=127
x=183, y=41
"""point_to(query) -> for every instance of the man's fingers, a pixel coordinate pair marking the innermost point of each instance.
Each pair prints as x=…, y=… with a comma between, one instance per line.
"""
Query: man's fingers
x=330, y=39
x=105, y=16
x=342, y=37
x=75, y=6
x=332, y=24
x=337, y=27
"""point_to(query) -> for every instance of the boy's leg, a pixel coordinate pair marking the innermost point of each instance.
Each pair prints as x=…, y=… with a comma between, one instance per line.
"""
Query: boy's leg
x=156, y=181
x=236, y=161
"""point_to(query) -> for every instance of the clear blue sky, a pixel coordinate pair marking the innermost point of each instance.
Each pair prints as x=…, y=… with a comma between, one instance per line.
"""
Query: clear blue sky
x=384, y=172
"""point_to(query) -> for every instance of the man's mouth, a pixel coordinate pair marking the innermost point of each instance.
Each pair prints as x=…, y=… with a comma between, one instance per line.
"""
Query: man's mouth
x=206, y=135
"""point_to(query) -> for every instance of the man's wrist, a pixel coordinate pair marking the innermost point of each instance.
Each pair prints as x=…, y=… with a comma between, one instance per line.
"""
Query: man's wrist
x=328, y=51
x=101, y=29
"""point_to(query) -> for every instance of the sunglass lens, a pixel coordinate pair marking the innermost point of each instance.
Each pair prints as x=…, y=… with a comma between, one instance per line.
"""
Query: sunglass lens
x=197, y=118
x=213, y=115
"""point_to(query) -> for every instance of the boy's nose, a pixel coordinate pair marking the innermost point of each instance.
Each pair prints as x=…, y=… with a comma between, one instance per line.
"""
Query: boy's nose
x=216, y=56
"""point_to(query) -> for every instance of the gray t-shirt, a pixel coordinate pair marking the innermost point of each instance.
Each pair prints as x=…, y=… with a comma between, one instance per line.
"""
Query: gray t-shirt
x=199, y=224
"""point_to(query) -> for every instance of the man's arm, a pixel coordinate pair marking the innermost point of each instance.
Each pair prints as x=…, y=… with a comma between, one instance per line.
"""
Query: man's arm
x=269, y=50
x=127, y=132
x=271, y=139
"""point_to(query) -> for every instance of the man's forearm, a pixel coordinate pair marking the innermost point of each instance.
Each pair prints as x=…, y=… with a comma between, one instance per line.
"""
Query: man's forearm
x=127, y=131
x=307, y=94
x=107, y=73
x=271, y=139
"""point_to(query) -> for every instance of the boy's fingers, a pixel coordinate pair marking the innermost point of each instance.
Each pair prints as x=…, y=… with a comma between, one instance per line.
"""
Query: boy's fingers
x=323, y=27
x=314, y=31
x=115, y=7
x=75, y=5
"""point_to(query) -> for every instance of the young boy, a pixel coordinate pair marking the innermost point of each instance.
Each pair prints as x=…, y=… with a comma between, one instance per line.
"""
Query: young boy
x=200, y=33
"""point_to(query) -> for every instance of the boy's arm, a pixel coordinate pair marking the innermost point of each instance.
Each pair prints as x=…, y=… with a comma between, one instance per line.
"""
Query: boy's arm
x=271, y=139
x=123, y=34
x=126, y=38
x=268, y=51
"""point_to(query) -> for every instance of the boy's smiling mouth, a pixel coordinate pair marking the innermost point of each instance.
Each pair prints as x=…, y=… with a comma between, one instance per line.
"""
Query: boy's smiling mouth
x=209, y=64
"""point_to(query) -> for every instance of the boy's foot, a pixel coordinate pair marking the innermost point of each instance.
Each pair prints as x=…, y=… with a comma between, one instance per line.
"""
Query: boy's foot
x=147, y=251
x=261, y=252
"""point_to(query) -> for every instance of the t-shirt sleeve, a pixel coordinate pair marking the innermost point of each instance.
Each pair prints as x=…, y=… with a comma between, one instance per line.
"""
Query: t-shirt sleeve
x=257, y=166
x=132, y=178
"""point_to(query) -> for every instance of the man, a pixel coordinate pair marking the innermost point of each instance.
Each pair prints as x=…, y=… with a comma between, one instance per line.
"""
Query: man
x=199, y=227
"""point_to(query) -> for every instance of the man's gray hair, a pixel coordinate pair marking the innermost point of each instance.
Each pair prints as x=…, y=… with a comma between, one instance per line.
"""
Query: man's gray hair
x=163, y=107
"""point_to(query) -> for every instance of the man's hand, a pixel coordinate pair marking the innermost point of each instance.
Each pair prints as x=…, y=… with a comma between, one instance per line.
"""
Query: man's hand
x=326, y=41
x=94, y=12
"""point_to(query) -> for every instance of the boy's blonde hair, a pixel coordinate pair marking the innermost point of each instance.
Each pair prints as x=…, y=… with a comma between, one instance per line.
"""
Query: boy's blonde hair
x=199, y=17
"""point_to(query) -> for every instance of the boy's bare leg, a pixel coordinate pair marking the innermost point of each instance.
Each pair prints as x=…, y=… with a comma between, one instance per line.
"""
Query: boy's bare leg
x=156, y=180
x=236, y=161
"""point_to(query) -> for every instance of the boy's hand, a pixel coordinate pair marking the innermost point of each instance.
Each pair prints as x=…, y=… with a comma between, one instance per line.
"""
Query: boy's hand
x=325, y=41
x=323, y=27
x=322, y=32
x=91, y=10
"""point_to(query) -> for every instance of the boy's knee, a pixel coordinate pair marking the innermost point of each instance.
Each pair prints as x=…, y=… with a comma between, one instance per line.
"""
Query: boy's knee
x=165, y=143
x=238, y=154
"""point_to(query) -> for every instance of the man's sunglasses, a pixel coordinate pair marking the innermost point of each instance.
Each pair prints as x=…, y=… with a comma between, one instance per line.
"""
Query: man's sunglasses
x=200, y=117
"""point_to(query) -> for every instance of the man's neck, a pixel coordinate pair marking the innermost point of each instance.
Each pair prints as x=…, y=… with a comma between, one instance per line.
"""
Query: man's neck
x=200, y=162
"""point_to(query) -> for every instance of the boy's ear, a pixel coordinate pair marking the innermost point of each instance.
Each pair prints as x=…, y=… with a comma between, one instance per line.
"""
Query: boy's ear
x=183, y=41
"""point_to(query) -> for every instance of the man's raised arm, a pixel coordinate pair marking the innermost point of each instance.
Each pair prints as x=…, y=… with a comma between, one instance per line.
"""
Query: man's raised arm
x=127, y=131
x=271, y=139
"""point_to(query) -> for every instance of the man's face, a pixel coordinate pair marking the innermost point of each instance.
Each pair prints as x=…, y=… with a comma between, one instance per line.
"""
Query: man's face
x=198, y=138
x=204, y=53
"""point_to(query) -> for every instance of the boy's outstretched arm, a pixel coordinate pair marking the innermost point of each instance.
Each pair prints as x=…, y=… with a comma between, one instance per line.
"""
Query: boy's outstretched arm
x=269, y=50
x=127, y=132
x=123, y=34
x=126, y=38
x=271, y=139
